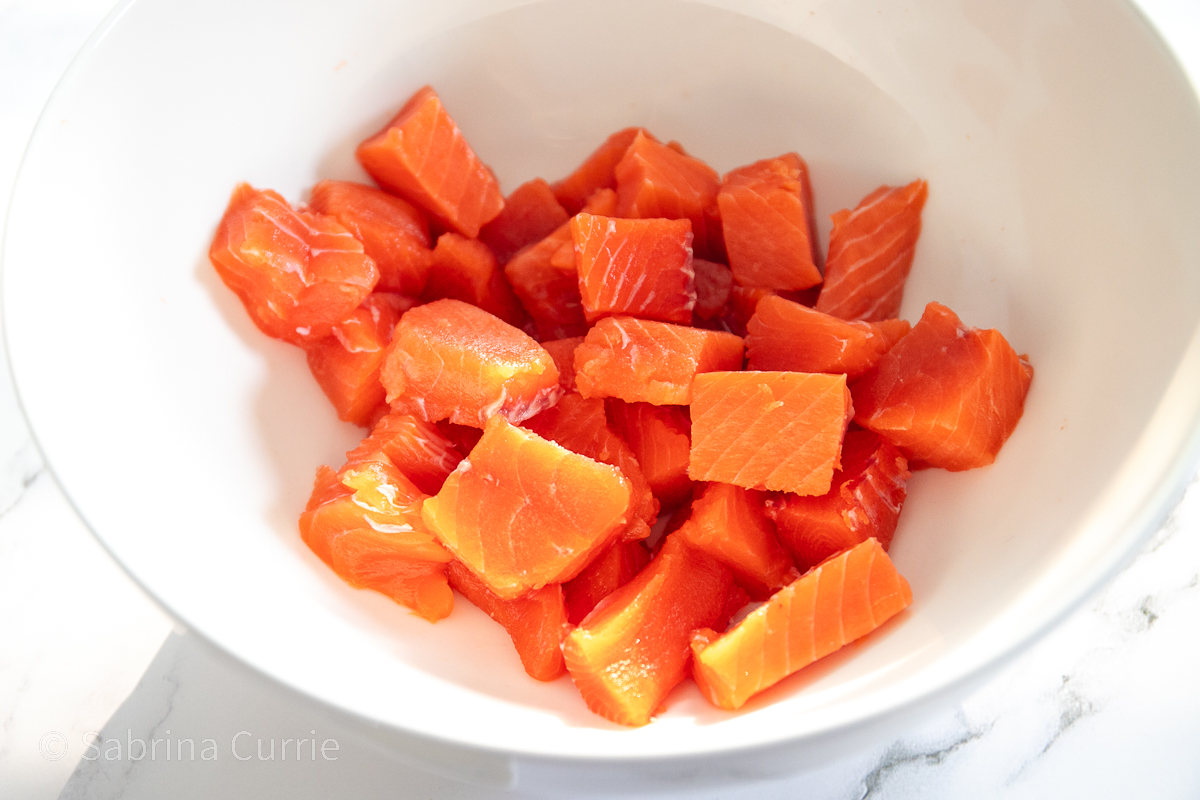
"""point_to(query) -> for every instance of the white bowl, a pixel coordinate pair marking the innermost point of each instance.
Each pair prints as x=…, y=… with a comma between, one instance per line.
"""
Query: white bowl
x=1062, y=150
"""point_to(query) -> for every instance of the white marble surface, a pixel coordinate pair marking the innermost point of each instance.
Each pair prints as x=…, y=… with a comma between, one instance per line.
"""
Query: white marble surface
x=1107, y=706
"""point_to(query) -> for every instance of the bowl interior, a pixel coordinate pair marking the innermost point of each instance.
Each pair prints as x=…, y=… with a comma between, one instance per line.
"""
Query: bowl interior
x=1060, y=144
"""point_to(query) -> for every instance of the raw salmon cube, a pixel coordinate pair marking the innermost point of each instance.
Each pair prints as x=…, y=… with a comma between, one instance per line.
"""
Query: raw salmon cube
x=372, y=536
x=653, y=362
x=834, y=604
x=393, y=232
x=787, y=336
x=633, y=649
x=465, y=269
x=563, y=353
x=522, y=512
x=714, y=283
x=416, y=447
x=863, y=503
x=655, y=180
x=660, y=437
x=451, y=360
x=779, y=431
x=531, y=213
x=949, y=396
x=346, y=363
x=536, y=622
x=767, y=217
x=548, y=287
x=637, y=267
x=730, y=524
x=871, y=252
x=580, y=425
x=422, y=156
x=297, y=273
x=597, y=171
x=608, y=572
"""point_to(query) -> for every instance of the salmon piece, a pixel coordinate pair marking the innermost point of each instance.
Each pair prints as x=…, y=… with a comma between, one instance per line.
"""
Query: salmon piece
x=465, y=269
x=563, y=353
x=393, y=232
x=736, y=600
x=421, y=155
x=346, y=363
x=787, y=336
x=415, y=447
x=714, y=283
x=531, y=213
x=652, y=362
x=730, y=524
x=536, y=622
x=297, y=273
x=947, y=395
x=769, y=226
x=863, y=503
x=660, y=437
x=464, y=437
x=871, y=252
x=655, y=180
x=636, y=267
x=778, y=431
x=597, y=171
x=633, y=648
x=547, y=287
x=522, y=512
x=580, y=425
x=451, y=360
x=371, y=534
x=610, y=570
x=835, y=603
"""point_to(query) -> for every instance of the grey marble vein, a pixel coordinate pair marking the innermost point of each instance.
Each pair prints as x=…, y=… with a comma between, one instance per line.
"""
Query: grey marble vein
x=901, y=756
x=18, y=475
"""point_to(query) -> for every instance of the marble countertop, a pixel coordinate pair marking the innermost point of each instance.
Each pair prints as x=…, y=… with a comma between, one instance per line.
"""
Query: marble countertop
x=1106, y=706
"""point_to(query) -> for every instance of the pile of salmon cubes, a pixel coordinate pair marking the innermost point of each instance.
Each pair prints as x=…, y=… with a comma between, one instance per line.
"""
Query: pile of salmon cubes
x=636, y=416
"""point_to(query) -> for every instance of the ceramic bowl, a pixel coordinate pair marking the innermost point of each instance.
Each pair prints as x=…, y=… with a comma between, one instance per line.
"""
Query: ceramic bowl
x=1061, y=143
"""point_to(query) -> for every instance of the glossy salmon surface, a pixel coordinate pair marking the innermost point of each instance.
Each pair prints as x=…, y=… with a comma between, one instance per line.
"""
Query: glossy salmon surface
x=864, y=502
x=731, y=525
x=608, y=572
x=656, y=180
x=767, y=218
x=417, y=448
x=393, y=232
x=837, y=602
x=653, y=362
x=521, y=511
x=779, y=431
x=634, y=267
x=537, y=622
x=422, y=156
x=544, y=277
x=297, y=273
x=660, y=437
x=597, y=171
x=947, y=395
x=871, y=252
x=633, y=649
x=783, y=335
x=365, y=523
x=449, y=360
